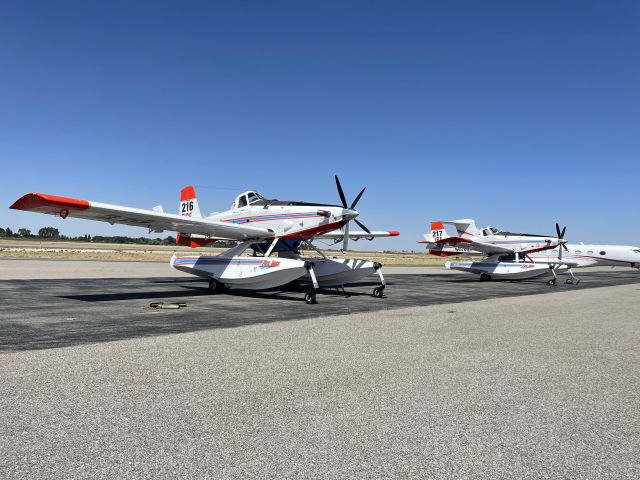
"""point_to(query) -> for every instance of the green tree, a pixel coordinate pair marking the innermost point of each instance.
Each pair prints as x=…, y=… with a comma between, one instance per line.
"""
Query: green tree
x=24, y=232
x=8, y=232
x=2, y=232
x=49, y=232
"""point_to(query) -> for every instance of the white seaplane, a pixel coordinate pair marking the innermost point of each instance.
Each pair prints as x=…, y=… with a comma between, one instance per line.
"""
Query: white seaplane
x=268, y=227
x=507, y=255
x=532, y=256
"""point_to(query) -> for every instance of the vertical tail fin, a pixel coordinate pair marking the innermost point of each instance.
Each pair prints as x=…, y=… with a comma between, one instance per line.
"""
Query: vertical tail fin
x=189, y=203
x=189, y=208
x=437, y=232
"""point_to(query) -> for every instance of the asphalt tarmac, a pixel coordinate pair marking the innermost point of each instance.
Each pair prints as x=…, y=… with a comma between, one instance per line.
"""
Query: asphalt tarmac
x=444, y=378
x=54, y=313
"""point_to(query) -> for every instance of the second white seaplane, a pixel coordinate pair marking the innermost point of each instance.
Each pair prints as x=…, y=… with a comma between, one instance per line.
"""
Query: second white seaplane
x=507, y=255
x=274, y=230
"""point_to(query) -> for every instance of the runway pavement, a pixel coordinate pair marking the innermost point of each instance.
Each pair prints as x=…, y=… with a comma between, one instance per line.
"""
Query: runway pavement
x=447, y=377
x=49, y=313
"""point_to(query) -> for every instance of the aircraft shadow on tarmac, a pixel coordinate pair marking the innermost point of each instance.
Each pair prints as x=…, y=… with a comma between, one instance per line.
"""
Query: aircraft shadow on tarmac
x=194, y=291
x=41, y=314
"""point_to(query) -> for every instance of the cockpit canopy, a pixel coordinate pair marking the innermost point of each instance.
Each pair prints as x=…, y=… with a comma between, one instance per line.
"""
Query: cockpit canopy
x=488, y=231
x=247, y=198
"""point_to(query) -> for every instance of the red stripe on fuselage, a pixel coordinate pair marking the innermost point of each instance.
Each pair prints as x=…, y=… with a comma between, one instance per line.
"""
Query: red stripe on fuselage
x=310, y=232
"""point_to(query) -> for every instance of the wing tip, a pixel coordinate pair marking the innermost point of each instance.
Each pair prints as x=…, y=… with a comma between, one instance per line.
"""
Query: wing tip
x=48, y=203
x=393, y=233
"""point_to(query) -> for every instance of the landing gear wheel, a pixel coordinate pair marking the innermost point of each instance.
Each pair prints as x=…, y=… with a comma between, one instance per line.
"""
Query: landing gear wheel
x=378, y=292
x=551, y=282
x=485, y=277
x=310, y=297
x=216, y=286
x=569, y=281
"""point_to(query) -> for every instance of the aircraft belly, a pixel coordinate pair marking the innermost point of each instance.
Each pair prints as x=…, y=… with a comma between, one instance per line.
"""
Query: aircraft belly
x=254, y=273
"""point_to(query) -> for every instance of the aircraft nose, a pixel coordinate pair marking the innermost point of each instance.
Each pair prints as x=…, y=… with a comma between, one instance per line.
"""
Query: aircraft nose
x=349, y=214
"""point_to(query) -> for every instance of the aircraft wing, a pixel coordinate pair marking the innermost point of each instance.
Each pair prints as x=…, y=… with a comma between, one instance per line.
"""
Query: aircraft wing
x=358, y=234
x=488, y=248
x=153, y=220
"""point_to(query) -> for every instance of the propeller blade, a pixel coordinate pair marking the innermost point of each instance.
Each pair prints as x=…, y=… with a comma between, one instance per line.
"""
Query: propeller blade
x=341, y=193
x=355, y=202
x=557, y=226
x=565, y=247
x=362, y=226
x=562, y=233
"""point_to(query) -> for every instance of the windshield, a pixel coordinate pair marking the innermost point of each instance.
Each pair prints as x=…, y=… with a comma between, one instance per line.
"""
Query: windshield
x=253, y=197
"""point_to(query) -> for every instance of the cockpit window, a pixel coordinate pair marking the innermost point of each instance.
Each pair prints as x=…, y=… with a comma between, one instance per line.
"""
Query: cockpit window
x=254, y=197
x=242, y=201
x=494, y=230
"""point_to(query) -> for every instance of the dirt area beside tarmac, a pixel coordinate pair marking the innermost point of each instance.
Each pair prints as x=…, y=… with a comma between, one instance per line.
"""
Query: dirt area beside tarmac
x=43, y=249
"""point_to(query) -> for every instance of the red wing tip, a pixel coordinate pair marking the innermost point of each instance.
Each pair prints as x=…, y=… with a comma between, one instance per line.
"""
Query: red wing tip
x=48, y=203
x=393, y=233
x=437, y=226
x=187, y=193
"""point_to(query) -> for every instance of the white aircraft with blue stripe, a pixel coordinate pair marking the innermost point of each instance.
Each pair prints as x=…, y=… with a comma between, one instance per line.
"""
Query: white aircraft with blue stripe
x=531, y=256
x=267, y=226
x=507, y=254
x=455, y=237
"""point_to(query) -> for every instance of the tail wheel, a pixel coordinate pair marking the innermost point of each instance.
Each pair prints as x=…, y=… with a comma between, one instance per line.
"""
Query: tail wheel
x=485, y=277
x=216, y=286
x=378, y=292
x=310, y=298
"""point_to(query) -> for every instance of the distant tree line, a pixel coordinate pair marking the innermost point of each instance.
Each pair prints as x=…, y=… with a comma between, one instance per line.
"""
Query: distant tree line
x=52, y=233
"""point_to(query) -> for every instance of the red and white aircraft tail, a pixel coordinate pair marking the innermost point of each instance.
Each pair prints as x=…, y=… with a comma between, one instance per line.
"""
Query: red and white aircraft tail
x=189, y=203
x=189, y=208
x=438, y=233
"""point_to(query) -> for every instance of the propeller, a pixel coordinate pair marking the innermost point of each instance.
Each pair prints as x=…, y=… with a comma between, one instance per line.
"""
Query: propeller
x=343, y=199
x=561, y=240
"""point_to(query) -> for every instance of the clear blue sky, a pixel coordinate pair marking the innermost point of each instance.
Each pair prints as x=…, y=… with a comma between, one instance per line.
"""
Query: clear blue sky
x=517, y=114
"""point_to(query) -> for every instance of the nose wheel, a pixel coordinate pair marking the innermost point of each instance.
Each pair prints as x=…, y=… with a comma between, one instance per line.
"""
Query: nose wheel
x=378, y=292
x=310, y=297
